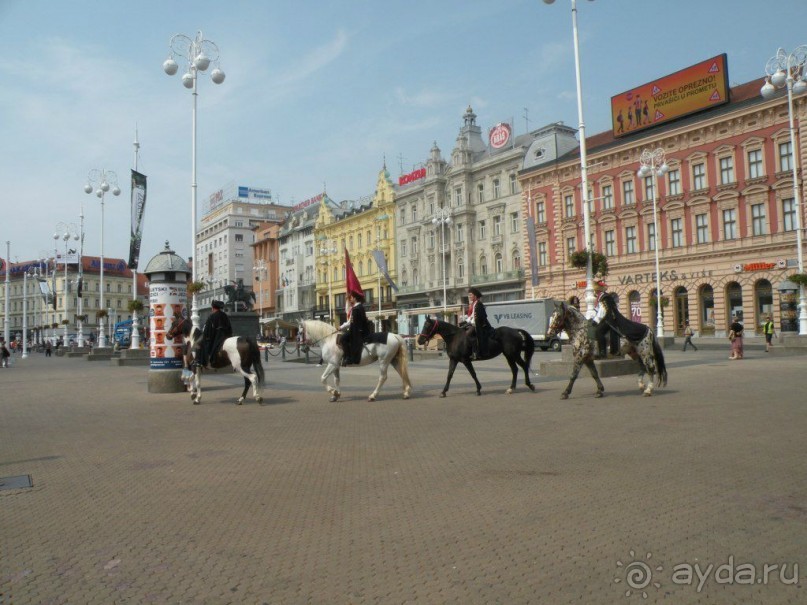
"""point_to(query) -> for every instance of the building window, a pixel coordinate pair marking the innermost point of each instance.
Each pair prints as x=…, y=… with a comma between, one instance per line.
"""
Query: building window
x=414, y=213
x=480, y=192
x=568, y=205
x=789, y=214
x=571, y=246
x=514, y=222
x=699, y=176
x=497, y=225
x=648, y=188
x=513, y=184
x=677, y=230
x=499, y=262
x=403, y=248
x=496, y=188
x=675, y=182
x=651, y=236
x=459, y=233
x=542, y=254
x=726, y=170
x=403, y=216
x=758, y=219
x=729, y=224
x=482, y=230
x=610, y=243
x=627, y=193
x=785, y=156
x=630, y=240
x=590, y=203
x=516, y=260
x=431, y=206
x=755, y=164
x=239, y=237
x=540, y=212
x=702, y=228
x=607, y=197
x=458, y=196
x=431, y=240
x=483, y=265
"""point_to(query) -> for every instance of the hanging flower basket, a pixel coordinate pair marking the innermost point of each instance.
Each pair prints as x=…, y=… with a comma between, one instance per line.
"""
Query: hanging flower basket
x=665, y=301
x=135, y=306
x=65, y=322
x=798, y=278
x=81, y=318
x=101, y=314
x=196, y=286
x=599, y=262
x=54, y=326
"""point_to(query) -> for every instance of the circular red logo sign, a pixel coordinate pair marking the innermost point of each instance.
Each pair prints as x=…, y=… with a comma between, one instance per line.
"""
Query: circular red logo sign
x=499, y=135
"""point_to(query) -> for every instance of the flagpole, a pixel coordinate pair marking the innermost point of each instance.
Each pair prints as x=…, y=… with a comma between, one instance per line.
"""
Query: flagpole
x=135, y=339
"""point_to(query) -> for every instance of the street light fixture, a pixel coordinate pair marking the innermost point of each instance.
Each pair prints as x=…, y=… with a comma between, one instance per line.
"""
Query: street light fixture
x=104, y=180
x=590, y=299
x=30, y=272
x=327, y=250
x=442, y=217
x=260, y=270
x=653, y=162
x=199, y=54
x=66, y=232
x=788, y=70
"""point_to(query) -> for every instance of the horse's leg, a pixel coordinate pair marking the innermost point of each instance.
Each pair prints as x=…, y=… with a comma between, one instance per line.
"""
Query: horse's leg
x=572, y=378
x=452, y=365
x=523, y=365
x=329, y=370
x=596, y=376
x=336, y=381
x=649, y=362
x=471, y=370
x=382, y=378
x=244, y=392
x=514, y=370
x=196, y=392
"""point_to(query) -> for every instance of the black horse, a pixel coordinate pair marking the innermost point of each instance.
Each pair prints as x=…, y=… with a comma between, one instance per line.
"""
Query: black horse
x=505, y=340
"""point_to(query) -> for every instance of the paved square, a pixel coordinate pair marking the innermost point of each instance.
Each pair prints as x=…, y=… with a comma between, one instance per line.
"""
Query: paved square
x=143, y=498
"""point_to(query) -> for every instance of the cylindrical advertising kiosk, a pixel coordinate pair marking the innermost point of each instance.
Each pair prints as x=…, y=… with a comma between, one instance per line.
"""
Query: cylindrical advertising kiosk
x=168, y=296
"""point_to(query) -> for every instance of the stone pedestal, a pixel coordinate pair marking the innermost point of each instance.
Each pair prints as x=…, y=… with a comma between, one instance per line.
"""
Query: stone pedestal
x=166, y=381
x=132, y=357
x=791, y=344
x=102, y=354
x=666, y=342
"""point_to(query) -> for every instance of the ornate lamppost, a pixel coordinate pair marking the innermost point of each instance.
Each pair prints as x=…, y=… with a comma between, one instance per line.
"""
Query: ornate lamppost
x=327, y=250
x=653, y=162
x=442, y=217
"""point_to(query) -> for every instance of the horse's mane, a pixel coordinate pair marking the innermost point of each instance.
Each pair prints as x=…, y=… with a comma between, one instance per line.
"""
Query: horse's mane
x=629, y=329
x=318, y=330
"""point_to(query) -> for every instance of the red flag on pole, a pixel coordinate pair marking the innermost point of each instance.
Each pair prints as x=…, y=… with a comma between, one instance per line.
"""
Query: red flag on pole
x=351, y=281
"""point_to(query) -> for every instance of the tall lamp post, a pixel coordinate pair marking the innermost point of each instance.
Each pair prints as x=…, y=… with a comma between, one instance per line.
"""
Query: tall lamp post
x=66, y=232
x=788, y=70
x=102, y=181
x=327, y=249
x=260, y=269
x=6, y=327
x=590, y=299
x=28, y=273
x=199, y=54
x=442, y=217
x=653, y=162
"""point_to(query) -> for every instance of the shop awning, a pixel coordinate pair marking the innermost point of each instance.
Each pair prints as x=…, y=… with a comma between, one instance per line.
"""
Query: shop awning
x=277, y=322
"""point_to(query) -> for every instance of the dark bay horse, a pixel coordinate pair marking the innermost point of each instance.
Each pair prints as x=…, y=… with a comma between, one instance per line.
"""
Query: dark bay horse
x=509, y=341
x=240, y=352
x=640, y=344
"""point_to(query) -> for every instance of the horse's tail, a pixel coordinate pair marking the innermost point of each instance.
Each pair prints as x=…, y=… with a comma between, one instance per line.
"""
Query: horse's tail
x=529, y=347
x=402, y=360
x=660, y=365
x=255, y=353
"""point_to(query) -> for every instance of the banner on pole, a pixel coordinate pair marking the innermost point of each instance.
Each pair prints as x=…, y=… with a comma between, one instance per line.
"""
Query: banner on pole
x=351, y=281
x=378, y=257
x=138, y=209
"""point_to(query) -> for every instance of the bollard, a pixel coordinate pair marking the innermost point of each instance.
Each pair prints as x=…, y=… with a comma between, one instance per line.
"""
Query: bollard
x=411, y=346
x=283, y=351
x=266, y=354
x=307, y=359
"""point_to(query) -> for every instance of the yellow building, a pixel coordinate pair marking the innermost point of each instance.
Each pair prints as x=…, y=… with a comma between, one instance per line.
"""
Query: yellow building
x=360, y=227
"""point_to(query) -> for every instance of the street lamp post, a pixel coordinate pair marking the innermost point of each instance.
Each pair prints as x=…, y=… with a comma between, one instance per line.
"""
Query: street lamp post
x=652, y=162
x=80, y=282
x=442, y=217
x=788, y=70
x=260, y=269
x=31, y=273
x=328, y=249
x=199, y=54
x=104, y=180
x=66, y=232
x=6, y=327
x=590, y=299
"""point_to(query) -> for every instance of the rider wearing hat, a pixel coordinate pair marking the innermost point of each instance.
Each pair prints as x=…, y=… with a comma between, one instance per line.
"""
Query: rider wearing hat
x=357, y=329
x=602, y=328
x=217, y=329
x=477, y=324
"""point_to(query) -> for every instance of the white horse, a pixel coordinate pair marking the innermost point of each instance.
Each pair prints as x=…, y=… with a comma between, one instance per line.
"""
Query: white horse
x=240, y=352
x=392, y=352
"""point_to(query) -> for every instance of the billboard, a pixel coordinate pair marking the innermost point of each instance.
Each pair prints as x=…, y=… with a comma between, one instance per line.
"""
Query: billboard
x=687, y=91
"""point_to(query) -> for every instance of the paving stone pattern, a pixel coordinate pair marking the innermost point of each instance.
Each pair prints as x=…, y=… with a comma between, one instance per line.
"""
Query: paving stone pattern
x=145, y=498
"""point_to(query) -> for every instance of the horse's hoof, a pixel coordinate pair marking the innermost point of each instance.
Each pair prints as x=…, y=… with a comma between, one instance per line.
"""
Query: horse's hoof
x=648, y=394
x=196, y=402
x=564, y=395
x=332, y=399
x=259, y=400
x=371, y=399
x=531, y=387
x=598, y=394
x=239, y=402
x=479, y=393
x=443, y=394
x=509, y=391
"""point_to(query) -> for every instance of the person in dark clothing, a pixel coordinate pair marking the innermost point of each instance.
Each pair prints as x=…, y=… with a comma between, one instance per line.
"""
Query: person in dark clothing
x=217, y=329
x=477, y=324
x=357, y=330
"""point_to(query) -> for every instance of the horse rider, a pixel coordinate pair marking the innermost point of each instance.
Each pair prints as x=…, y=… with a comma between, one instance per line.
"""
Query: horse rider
x=357, y=330
x=601, y=328
x=217, y=329
x=477, y=325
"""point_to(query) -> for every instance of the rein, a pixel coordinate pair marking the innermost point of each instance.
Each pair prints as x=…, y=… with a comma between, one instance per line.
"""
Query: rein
x=433, y=330
x=172, y=333
x=314, y=343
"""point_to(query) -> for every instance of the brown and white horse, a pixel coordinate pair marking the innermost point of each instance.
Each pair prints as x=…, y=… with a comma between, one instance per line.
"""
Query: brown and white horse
x=240, y=352
x=567, y=318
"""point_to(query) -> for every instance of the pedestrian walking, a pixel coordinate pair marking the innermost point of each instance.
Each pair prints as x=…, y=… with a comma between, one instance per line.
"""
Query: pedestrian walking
x=770, y=331
x=736, y=338
x=5, y=354
x=688, y=334
x=48, y=349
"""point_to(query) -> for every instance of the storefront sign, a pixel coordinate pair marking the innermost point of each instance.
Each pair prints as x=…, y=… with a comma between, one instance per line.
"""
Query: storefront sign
x=308, y=202
x=759, y=266
x=499, y=135
x=413, y=176
x=666, y=276
x=693, y=89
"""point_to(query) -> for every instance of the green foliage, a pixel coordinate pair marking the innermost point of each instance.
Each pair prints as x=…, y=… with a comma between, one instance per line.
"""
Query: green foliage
x=134, y=305
x=798, y=278
x=599, y=262
x=196, y=286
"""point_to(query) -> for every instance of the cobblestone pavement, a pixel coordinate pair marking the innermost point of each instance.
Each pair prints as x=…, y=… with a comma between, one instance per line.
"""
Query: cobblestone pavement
x=144, y=498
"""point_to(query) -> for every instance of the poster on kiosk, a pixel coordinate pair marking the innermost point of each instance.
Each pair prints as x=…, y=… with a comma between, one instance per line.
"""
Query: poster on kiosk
x=166, y=303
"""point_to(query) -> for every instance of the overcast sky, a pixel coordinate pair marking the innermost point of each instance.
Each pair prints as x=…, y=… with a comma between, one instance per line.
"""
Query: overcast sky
x=316, y=94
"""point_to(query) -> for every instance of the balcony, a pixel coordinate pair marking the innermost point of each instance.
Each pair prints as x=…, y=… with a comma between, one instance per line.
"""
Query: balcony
x=505, y=276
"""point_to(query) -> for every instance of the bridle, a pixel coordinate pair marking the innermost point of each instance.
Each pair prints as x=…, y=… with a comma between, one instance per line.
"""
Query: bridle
x=432, y=331
x=172, y=333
